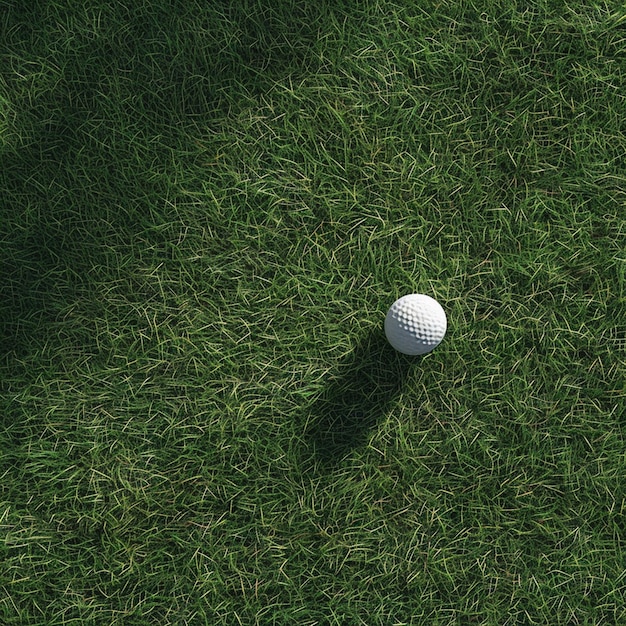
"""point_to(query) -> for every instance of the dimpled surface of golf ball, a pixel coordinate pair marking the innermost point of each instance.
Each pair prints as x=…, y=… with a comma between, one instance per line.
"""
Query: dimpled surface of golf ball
x=415, y=324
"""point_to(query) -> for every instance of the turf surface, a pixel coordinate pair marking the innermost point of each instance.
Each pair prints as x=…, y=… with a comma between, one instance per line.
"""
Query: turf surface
x=206, y=209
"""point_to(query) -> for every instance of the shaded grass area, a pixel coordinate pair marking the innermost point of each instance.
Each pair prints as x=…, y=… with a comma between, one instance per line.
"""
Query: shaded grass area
x=205, y=213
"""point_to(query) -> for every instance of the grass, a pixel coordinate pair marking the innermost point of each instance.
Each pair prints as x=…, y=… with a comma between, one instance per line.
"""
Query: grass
x=205, y=211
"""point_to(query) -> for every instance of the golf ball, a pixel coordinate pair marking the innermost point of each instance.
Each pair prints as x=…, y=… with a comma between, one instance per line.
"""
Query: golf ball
x=415, y=324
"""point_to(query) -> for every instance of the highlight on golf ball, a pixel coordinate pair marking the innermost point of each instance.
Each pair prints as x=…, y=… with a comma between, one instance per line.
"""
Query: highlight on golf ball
x=415, y=324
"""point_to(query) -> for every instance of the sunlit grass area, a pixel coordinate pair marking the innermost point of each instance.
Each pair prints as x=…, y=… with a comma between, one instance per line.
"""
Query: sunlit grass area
x=206, y=209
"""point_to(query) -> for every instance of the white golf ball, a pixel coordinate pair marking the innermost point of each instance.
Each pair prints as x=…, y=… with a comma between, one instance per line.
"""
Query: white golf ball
x=415, y=324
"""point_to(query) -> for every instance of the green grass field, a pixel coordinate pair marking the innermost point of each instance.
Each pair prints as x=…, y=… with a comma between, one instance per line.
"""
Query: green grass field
x=206, y=209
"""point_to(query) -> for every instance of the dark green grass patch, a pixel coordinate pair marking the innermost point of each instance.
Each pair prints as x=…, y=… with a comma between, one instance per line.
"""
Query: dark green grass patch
x=205, y=212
